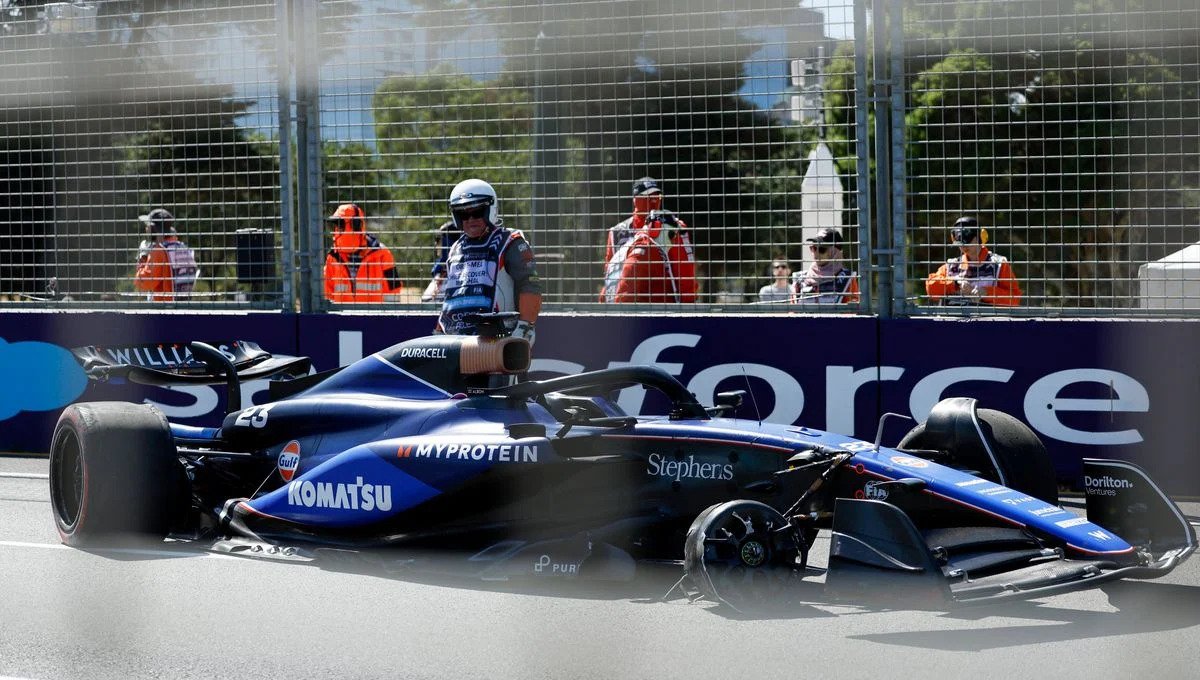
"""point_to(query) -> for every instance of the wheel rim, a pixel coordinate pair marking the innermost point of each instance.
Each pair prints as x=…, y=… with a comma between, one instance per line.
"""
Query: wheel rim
x=749, y=556
x=753, y=553
x=66, y=477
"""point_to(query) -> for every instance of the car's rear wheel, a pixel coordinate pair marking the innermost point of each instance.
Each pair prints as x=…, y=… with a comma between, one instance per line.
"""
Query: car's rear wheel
x=115, y=475
x=742, y=554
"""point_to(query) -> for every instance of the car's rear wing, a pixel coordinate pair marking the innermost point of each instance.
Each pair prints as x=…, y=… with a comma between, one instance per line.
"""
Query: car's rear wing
x=191, y=363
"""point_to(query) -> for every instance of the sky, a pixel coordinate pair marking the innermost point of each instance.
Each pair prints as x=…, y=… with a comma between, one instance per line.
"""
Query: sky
x=348, y=89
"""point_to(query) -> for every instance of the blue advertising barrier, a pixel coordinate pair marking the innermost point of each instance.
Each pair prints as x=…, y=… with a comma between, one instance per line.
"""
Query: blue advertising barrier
x=1108, y=389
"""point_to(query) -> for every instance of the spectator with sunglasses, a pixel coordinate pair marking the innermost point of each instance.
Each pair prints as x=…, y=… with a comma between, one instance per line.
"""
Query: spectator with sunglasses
x=827, y=281
x=489, y=268
x=359, y=269
x=780, y=291
x=977, y=276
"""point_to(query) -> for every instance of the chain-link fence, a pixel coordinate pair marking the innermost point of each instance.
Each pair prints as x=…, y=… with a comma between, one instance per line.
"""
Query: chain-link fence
x=1068, y=129
x=1071, y=131
x=561, y=106
x=112, y=109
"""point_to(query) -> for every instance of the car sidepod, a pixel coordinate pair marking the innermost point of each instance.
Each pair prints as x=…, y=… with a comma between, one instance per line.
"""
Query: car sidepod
x=372, y=484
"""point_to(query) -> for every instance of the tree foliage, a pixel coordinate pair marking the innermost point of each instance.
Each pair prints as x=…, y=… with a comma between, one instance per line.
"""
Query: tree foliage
x=607, y=92
x=122, y=114
x=1072, y=137
x=438, y=129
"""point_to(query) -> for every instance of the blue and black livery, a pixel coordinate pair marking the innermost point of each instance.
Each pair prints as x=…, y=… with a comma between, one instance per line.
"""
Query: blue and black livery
x=413, y=448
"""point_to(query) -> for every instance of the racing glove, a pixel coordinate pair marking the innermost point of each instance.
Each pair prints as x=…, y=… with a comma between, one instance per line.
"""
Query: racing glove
x=525, y=330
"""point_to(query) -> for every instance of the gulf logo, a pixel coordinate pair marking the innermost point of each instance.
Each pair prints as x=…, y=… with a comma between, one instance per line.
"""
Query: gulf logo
x=289, y=460
x=909, y=462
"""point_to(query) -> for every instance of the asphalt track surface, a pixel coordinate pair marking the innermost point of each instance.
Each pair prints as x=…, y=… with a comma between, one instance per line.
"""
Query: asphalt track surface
x=179, y=612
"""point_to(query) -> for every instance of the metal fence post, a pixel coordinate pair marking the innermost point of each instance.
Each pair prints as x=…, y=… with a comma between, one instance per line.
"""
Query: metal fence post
x=899, y=187
x=880, y=91
x=308, y=151
x=287, y=211
x=862, y=145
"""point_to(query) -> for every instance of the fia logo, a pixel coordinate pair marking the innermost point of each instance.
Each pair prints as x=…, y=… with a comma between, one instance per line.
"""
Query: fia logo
x=872, y=491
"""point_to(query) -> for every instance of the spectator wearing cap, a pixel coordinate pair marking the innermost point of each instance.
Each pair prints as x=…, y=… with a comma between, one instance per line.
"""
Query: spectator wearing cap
x=359, y=268
x=661, y=267
x=977, y=276
x=780, y=290
x=166, y=267
x=828, y=281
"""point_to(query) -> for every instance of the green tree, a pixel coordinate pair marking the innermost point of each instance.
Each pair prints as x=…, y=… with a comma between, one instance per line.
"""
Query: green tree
x=124, y=115
x=213, y=176
x=1079, y=148
x=438, y=129
x=618, y=91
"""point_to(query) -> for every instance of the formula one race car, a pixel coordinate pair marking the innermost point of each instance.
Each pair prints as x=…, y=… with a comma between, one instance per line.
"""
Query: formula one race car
x=428, y=446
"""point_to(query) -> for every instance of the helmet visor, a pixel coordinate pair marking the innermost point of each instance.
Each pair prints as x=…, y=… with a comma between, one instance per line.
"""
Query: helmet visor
x=471, y=212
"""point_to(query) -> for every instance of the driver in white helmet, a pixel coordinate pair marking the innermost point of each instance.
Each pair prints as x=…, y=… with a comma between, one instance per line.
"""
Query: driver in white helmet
x=489, y=268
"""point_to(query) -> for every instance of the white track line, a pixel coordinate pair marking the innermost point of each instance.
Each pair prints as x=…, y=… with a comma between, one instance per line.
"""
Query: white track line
x=121, y=551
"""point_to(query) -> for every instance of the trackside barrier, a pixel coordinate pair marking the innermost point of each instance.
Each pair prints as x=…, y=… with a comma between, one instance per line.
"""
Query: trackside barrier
x=1102, y=389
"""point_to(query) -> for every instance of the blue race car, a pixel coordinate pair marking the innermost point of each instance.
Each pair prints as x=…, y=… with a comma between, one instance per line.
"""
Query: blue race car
x=429, y=447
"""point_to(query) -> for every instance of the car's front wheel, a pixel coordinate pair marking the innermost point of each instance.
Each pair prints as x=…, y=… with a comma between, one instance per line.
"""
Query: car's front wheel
x=115, y=475
x=742, y=554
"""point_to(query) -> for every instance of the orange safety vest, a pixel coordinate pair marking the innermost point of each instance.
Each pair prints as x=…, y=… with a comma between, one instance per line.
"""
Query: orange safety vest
x=170, y=268
x=992, y=273
x=368, y=280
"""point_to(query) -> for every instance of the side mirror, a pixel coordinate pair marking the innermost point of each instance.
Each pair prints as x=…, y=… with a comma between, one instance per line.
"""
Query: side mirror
x=909, y=484
x=726, y=403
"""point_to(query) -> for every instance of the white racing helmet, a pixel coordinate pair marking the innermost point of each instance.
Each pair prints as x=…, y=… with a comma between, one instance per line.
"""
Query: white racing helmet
x=471, y=193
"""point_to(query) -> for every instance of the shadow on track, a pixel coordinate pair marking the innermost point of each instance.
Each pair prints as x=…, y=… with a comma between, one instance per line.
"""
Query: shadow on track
x=1143, y=607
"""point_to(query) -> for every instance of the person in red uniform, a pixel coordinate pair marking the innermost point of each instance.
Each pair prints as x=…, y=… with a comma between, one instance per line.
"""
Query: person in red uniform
x=166, y=266
x=649, y=256
x=359, y=268
x=977, y=276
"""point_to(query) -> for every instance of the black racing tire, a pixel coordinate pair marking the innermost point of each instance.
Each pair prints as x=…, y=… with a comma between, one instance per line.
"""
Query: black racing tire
x=1027, y=465
x=115, y=475
x=742, y=554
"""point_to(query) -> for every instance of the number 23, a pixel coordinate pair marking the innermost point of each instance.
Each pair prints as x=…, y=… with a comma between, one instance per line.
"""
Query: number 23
x=255, y=416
